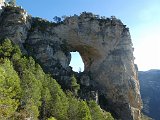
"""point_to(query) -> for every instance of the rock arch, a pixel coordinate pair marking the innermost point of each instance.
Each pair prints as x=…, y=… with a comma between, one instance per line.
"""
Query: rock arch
x=105, y=47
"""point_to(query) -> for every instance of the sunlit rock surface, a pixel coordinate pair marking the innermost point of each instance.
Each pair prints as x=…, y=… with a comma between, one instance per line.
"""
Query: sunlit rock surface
x=110, y=76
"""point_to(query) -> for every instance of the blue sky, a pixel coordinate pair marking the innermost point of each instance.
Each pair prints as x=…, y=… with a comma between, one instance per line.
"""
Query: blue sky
x=141, y=16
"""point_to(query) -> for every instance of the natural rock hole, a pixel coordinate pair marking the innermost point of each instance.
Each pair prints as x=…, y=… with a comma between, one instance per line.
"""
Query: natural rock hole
x=76, y=62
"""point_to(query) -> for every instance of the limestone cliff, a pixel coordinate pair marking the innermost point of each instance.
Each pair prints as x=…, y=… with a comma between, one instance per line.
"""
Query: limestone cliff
x=104, y=45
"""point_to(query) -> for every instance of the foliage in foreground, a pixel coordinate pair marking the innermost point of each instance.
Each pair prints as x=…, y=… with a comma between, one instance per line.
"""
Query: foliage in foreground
x=26, y=92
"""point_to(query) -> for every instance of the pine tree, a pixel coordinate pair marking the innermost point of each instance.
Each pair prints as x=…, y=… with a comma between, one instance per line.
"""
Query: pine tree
x=45, y=94
x=26, y=92
x=97, y=113
x=58, y=105
x=6, y=48
x=74, y=85
x=83, y=111
x=31, y=94
x=9, y=90
x=31, y=87
x=73, y=106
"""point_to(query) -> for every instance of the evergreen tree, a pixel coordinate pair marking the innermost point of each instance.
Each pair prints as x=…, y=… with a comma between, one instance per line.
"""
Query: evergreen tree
x=46, y=102
x=57, y=19
x=83, y=111
x=26, y=92
x=45, y=94
x=31, y=94
x=73, y=106
x=9, y=90
x=96, y=112
x=58, y=105
x=6, y=49
x=74, y=85
x=31, y=86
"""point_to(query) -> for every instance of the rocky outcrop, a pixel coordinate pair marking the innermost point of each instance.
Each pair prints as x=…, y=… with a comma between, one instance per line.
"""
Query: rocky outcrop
x=14, y=24
x=105, y=46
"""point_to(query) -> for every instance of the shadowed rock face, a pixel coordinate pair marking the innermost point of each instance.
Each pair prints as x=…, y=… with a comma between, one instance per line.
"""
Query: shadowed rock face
x=104, y=45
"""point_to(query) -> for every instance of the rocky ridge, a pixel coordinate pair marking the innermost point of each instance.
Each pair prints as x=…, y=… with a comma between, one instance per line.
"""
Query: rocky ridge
x=110, y=75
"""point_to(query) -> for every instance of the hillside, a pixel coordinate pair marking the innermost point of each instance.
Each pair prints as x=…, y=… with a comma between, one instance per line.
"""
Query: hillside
x=26, y=92
x=150, y=92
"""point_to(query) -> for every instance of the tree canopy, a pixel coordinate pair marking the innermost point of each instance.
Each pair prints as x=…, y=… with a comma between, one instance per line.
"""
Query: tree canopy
x=26, y=92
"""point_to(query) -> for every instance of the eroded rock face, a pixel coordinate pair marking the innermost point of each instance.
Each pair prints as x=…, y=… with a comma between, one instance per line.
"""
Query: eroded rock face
x=104, y=45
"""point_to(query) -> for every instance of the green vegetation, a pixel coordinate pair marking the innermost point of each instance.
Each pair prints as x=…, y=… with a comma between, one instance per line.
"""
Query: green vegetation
x=74, y=85
x=97, y=113
x=83, y=111
x=9, y=89
x=73, y=106
x=27, y=92
x=42, y=24
x=51, y=118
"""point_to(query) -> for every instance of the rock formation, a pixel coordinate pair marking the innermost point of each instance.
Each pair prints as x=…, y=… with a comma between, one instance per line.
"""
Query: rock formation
x=104, y=45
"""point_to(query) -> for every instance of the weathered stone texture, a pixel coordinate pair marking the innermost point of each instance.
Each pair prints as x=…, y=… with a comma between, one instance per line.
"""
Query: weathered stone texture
x=104, y=45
